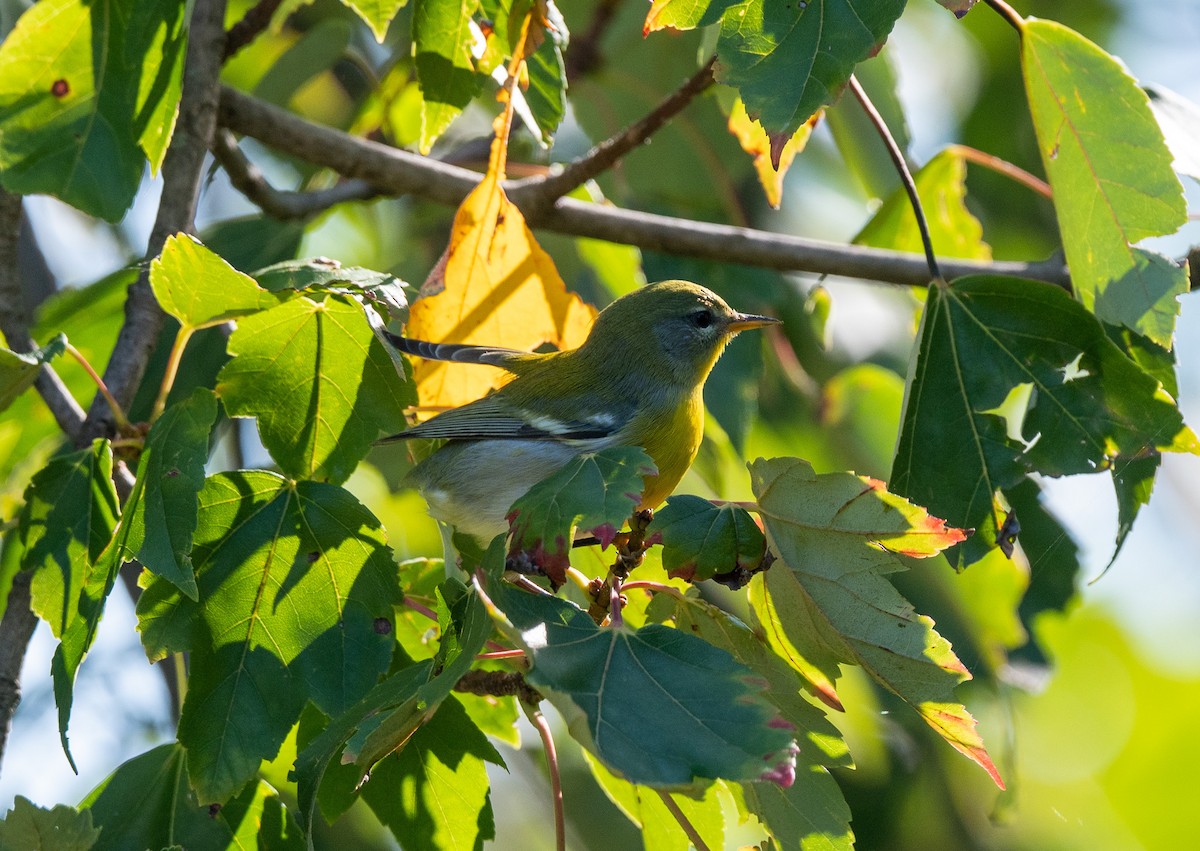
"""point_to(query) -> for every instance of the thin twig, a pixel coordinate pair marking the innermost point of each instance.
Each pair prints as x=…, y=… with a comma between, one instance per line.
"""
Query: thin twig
x=281, y=204
x=1004, y=167
x=906, y=177
x=583, y=56
x=684, y=822
x=122, y=421
x=398, y=172
x=252, y=24
x=540, y=192
x=538, y=720
x=1008, y=13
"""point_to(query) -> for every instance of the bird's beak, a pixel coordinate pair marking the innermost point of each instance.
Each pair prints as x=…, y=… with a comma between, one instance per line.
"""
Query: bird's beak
x=746, y=321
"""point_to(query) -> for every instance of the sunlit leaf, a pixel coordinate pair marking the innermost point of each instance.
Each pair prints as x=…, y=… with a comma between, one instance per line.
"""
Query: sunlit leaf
x=325, y=275
x=810, y=815
x=1091, y=407
x=941, y=186
x=377, y=14
x=435, y=792
x=698, y=714
x=1112, y=178
x=198, y=288
x=595, y=492
x=836, y=533
x=773, y=155
x=501, y=289
x=18, y=371
x=442, y=39
x=85, y=89
x=702, y=540
x=319, y=381
x=27, y=827
x=295, y=579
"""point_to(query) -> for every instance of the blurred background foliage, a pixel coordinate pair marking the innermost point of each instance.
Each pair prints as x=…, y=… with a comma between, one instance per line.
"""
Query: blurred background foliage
x=1091, y=717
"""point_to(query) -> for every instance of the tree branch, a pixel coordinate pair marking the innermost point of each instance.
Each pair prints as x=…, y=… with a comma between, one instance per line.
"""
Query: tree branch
x=498, y=684
x=399, y=172
x=182, y=170
x=16, y=629
x=277, y=203
x=256, y=19
x=544, y=191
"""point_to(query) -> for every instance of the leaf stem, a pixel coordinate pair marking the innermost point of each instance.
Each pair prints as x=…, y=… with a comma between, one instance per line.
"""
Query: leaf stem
x=1004, y=167
x=168, y=379
x=181, y=684
x=656, y=587
x=501, y=654
x=902, y=170
x=122, y=421
x=1008, y=13
x=538, y=720
x=688, y=827
x=420, y=608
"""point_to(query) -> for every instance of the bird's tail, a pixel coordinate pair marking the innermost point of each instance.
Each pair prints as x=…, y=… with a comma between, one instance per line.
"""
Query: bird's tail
x=455, y=352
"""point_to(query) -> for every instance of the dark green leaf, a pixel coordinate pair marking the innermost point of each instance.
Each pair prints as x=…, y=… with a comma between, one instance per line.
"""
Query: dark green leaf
x=698, y=715
x=199, y=288
x=27, y=827
x=1112, y=178
x=547, y=92
x=596, y=492
x=789, y=59
x=984, y=342
x=70, y=513
x=295, y=580
x=702, y=540
x=1133, y=479
x=435, y=792
x=442, y=39
x=161, y=511
x=317, y=50
x=828, y=604
x=324, y=275
x=321, y=384
x=82, y=87
x=19, y=371
x=147, y=803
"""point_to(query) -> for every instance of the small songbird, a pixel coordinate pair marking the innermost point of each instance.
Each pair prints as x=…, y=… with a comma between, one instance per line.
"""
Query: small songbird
x=636, y=381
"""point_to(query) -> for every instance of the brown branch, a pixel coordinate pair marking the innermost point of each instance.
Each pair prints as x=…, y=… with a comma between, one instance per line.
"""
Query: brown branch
x=498, y=684
x=535, y=193
x=257, y=18
x=906, y=178
x=278, y=203
x=182, y=170
x=401, y=173
x=16, y=629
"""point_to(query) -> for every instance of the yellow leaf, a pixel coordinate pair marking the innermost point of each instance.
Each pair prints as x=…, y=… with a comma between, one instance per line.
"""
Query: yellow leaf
x=773, y=154
x=501, y=289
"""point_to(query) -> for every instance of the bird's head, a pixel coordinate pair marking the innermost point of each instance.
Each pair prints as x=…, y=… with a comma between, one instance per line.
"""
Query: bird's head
x=679, y=327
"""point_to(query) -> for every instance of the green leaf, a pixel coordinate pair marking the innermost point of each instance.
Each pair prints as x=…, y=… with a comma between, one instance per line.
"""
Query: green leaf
x=296, y=582
x=321, y=274
x=698, y=713
x=442, y=40
x=1133, y=480
x=1112, y=178
x=1090, y=406
x=320, y=383
x=645, y=808
x=200, y=289
x=28, y=827
x=377, y=14
x=82, y=87
x=547, y=92
x=838, y=534
x=161, y=511
x=70, y=513
x=19, y=371
x=810, y=815
x=702, y=540
x=941, y=186
x=435, y=792
x=787, y=60
x=147, y=803
x=596, y=492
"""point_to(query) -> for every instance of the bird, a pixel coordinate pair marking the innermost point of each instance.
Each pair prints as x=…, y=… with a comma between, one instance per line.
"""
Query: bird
x=637, y=380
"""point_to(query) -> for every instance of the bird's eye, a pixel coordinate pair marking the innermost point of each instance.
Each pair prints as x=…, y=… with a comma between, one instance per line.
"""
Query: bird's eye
x=703, y=319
